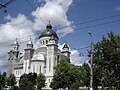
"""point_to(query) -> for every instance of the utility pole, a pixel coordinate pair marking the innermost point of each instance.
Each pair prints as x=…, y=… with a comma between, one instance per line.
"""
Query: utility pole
x=91, y=64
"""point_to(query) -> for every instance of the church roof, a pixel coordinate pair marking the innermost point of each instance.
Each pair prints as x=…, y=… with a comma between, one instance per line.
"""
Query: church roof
x=48, y=32
x=65, y=46
x=38, y=56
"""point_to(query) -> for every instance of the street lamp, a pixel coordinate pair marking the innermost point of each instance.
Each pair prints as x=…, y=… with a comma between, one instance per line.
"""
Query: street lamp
x=91, y=64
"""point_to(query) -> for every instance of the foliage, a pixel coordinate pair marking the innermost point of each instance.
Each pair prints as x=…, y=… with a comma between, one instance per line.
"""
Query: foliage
x=29, y=86
x=2, y=81
x=66, y=75
x=106, y=61
x=27, y=81
x=40, y=81
x=23, y=82
x=85, y=74
x=15, y=88
x=32, y=78
x=11, y=81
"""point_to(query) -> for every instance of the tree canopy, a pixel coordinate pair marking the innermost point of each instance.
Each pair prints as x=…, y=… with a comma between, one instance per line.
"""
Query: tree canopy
x=66, y=76
x=2, y=81
x=40, y=81
x=11, y=80
x=106, y=61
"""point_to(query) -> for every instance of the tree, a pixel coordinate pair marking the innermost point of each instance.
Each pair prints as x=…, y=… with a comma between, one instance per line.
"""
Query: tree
x=65, y=76
x=2, y=81
x=32, y=78
x=29, y=86
x=106, y=60
x=85, y=73
x=40, y=81
x=11, y=81
x=27, y=81
x=23, y=82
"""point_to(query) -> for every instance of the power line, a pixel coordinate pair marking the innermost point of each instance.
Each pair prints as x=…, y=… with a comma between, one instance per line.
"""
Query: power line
x=80, y=24
x=34, y=10
x=77, y=29
x=100, y=24
x=90, y=21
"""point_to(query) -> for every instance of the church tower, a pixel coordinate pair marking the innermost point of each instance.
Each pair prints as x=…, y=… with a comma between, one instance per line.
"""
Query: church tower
x=49, y=39
x=13, y=57
x=28, y=56
x=66, y=51
x=51, y=62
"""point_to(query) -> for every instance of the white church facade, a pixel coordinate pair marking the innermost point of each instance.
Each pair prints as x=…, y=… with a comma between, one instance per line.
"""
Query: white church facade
x=40, y=60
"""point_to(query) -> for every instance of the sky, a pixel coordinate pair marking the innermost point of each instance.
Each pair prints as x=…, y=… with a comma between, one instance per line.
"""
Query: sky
x=71, y=20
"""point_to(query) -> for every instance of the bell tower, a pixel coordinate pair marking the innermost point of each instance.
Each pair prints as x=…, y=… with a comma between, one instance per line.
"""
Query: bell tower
x=28, y=56
x=13, y=57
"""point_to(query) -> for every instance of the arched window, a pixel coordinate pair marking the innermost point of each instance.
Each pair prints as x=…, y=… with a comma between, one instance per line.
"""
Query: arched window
x=43, y=42
x=46, y=41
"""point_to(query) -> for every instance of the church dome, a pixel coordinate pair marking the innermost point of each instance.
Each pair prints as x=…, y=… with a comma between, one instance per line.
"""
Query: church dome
x=48, y=32
x=38, y=56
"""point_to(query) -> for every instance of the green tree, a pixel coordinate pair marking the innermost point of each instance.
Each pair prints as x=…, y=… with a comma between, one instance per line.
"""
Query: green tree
x=85, y=74
x=40, y=81
x=23, y=82
x=2, y=81
x=30, y=86
x=106, y=61
x=11, y=80
x=65, y=76
x=32, y=78
x=27, y=81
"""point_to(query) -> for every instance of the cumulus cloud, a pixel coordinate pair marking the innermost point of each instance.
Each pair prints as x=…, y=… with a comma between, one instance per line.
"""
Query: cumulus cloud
x=19, y=27
x=75, y=57
x=54, y=11
x=23, y=28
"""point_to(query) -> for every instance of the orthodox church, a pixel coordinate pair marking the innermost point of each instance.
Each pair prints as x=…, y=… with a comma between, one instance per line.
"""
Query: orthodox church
x=40, y=60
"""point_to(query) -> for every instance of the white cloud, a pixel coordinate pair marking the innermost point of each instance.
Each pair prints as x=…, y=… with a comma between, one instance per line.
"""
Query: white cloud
x=75, y=57
x=54, y=11
x=22, y=27
x=19, y=27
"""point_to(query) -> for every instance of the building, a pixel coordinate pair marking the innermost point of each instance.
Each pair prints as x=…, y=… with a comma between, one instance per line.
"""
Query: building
x=40, y=60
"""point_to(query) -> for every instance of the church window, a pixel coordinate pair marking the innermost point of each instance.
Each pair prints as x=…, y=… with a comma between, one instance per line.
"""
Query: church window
x=18, y=72
x=49, y=80
x=40, y=68
x=43, y=42
x=33, y=68
x=25, y=66
x=46, y=41
x=49, y=64
x=45, y=70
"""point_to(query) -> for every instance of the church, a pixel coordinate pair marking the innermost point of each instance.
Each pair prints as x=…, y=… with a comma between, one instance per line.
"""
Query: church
x=40, y=60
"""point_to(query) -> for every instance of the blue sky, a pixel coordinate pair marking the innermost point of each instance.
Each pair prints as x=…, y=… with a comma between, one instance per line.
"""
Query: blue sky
x=29, y=17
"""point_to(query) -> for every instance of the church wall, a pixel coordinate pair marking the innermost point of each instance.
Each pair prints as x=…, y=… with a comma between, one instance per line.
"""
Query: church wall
x=38, y=67
x=44, y=40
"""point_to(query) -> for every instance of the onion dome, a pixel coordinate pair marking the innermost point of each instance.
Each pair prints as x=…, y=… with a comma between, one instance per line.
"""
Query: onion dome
x=48, y=32
x=52, y=38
